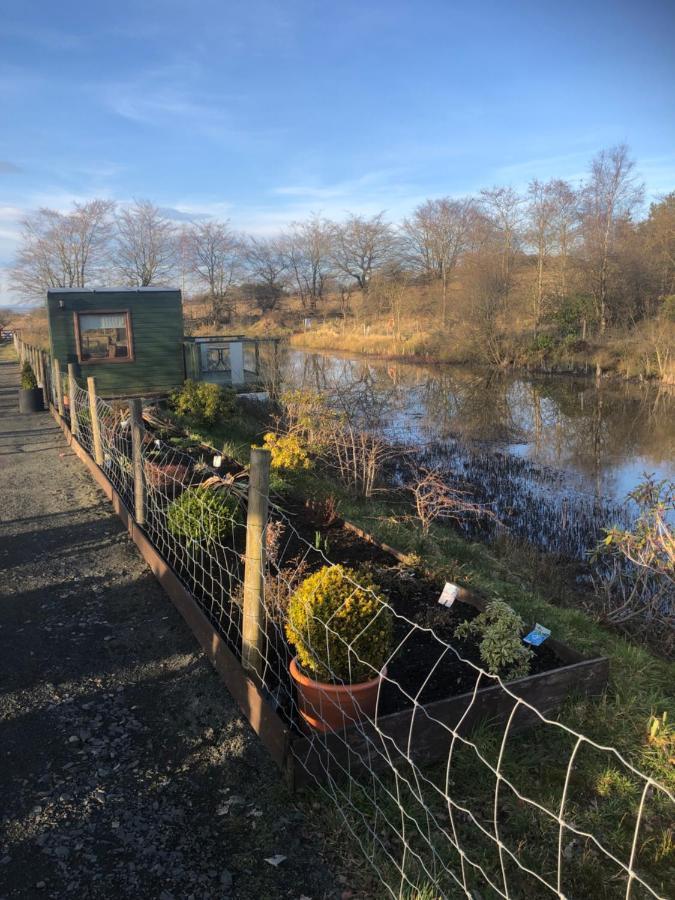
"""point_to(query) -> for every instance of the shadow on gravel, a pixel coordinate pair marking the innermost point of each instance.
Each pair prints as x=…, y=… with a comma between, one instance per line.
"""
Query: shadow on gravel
x=61, y=541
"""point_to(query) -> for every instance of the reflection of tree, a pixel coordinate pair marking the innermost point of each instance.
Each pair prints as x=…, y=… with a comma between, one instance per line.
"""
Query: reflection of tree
x=570, y=423
x=471, y=406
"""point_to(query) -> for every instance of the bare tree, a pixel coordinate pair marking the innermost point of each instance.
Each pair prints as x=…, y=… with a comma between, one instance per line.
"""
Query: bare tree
x=565, y=202
x=659, y=233
x=435, y=237
x=62, y=249
x=307, y=247
x=363, y=245
x=267, y=263
x=215, y=254
x=144, y=246
x=608, y=199
x=503, y=207
x=540, y=234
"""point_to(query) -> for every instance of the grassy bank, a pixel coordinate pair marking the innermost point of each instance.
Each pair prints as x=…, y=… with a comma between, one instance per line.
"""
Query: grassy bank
x=603, y=795
x=623, y=355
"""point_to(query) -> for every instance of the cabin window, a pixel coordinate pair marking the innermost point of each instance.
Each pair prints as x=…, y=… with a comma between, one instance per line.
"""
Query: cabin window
x=103, y=337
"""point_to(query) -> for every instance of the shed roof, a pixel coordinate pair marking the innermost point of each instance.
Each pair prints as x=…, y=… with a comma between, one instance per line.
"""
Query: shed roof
x=112, y=290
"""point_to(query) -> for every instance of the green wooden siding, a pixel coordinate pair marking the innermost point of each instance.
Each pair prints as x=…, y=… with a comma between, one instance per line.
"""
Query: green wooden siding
x=157, y=327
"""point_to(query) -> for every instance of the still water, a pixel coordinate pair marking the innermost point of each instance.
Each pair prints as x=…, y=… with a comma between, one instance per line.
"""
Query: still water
x=555, y=456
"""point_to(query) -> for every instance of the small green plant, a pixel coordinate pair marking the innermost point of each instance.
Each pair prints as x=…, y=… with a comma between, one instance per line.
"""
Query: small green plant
x=202, y=514
x=288, y=452
x=204, y=403
x=28, y=379
x=340, y=625
x=501, y=646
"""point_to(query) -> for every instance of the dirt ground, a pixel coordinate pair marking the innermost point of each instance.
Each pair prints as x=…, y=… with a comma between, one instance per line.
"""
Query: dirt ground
x=125, y=768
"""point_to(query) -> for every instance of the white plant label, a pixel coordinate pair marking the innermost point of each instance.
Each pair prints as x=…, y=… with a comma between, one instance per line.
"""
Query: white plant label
x=217, y=462
x=449, y=594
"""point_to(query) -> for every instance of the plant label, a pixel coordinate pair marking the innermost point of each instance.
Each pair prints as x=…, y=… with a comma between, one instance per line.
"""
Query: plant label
x=217, y=461
x=448, y=594
x=537, y=636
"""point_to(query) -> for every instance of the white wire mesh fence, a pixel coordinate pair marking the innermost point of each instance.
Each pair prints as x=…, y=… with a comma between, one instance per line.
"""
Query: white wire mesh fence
x=482, y=822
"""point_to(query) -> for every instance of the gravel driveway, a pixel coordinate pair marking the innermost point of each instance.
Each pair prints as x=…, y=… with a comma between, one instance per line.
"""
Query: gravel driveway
x=125, y=768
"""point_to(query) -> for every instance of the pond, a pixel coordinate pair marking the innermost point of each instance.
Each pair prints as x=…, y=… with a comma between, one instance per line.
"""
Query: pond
x=554, y=456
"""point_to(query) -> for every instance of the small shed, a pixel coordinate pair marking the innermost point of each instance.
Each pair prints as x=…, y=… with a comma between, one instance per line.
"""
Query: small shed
x=233, y=360
x=129, y=339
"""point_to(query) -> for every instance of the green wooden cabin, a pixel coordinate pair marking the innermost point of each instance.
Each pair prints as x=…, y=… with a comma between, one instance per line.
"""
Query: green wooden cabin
x=130, y=340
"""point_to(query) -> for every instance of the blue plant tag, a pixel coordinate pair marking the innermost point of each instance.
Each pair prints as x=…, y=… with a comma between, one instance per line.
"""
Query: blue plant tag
x=537, y=636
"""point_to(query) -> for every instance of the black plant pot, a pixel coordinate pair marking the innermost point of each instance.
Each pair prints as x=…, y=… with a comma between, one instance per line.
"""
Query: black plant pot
x=31, y=400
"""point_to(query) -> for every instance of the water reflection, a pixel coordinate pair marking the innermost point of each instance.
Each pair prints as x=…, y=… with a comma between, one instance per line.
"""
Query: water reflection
x=584, y=442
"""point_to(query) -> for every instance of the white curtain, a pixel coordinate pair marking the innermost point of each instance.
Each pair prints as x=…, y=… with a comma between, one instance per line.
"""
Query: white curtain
x=95, y=321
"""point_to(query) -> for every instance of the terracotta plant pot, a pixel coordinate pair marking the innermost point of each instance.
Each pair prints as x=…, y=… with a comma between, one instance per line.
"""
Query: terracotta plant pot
x=334, y=707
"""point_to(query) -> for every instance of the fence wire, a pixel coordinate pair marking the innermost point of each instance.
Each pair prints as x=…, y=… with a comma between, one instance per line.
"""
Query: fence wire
x=479, y=823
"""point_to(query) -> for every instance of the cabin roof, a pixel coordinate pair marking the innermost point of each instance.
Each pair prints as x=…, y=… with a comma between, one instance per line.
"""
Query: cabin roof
x=113, y=290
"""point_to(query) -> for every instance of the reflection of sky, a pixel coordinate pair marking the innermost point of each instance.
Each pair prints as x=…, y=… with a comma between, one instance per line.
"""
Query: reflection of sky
x=602, y=443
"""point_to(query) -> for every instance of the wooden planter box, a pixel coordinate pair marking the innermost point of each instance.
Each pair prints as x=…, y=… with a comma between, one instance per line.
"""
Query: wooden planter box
x=422, y=735
x=417, y=734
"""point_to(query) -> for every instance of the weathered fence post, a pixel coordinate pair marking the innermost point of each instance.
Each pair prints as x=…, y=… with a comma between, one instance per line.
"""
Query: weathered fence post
x=136, y=417
x=253, y=626
x=72, y=385
x=95, y=424
x=58, y=387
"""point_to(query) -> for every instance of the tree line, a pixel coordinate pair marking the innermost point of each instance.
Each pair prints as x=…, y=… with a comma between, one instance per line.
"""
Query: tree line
x=584, y=252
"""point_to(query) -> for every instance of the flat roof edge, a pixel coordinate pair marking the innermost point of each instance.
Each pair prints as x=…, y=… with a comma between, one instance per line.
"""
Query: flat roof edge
x=114, y=290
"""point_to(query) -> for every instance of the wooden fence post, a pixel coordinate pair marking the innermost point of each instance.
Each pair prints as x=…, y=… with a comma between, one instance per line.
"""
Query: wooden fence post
x=253, y=626
x=58, y=387
x=95, y=424
x=136, y=417
x=72, y=385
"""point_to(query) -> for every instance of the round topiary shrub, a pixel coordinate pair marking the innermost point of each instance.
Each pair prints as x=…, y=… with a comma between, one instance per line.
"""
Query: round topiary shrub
x=340, y=626
x=28, y=379
x=202, y=514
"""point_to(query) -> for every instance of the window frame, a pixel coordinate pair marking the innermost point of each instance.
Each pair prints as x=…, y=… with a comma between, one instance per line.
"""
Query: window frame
x=97, y=361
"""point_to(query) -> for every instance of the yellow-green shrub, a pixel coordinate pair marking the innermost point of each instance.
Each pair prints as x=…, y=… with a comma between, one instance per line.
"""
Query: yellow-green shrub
x=203, y=402
x=340, y=626
x=288, y=452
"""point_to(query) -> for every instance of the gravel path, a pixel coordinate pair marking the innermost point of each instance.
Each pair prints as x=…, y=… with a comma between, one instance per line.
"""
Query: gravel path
x=125, y=768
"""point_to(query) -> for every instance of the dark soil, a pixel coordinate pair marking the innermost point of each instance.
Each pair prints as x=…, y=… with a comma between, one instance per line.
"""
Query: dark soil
x=414, y=597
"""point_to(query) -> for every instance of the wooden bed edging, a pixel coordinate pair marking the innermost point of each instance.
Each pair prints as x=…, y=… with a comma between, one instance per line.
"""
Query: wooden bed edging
x=269, y=727
x=419, y=735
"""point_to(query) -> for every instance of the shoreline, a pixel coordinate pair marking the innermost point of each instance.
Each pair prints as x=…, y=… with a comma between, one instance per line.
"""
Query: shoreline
x=588, y=372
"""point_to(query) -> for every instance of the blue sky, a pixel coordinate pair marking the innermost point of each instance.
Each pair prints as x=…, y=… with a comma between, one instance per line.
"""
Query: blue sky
x=262, y=112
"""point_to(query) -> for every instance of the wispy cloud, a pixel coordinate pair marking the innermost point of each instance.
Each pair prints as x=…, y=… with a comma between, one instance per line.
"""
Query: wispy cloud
x=175, y=97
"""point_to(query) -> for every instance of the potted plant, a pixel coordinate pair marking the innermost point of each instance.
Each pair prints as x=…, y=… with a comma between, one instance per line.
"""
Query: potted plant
x=341, y=628
x=30, y=395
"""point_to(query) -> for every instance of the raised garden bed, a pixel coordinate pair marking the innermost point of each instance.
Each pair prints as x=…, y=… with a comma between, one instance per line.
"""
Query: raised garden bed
x=405, y=729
